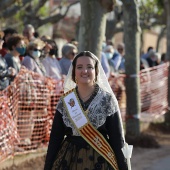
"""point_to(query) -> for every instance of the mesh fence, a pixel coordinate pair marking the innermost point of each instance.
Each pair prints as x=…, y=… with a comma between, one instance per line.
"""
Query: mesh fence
x=28, y=105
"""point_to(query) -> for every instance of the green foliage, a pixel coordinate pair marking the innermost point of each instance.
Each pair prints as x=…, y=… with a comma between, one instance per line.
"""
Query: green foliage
x=43, y=11
x=151, y=7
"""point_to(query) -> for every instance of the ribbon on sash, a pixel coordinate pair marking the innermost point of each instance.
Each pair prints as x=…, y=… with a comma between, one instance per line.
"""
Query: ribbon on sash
x=86, y=129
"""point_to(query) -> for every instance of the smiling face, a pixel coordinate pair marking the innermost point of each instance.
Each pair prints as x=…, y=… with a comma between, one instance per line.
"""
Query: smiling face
x=85, y=70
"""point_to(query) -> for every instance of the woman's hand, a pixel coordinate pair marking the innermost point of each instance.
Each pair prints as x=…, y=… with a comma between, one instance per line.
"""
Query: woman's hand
x=11, y=71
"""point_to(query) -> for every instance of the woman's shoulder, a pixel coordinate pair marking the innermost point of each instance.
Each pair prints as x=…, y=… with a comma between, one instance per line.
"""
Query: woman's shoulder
x=104, y=93
x=27, y=59
x=60, y=102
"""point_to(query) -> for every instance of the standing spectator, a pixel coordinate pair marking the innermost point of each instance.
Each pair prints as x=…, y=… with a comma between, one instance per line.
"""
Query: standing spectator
x=5, y=72
x=32, y=59
x=29, y=32
x=16, y=45
x=50, y=62
x=68, y=53
x=7, y=34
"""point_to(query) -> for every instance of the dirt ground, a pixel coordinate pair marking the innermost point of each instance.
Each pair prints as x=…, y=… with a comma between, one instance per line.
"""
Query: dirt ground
x=142, y=158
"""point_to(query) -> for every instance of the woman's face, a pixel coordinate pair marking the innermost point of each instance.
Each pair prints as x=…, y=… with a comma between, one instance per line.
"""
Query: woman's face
x=1, y=43
x=20, y=47
x=85, y=70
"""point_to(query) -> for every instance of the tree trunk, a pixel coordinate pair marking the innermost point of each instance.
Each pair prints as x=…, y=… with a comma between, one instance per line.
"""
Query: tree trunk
x=132, y=56
x=167, y=7
x=92, y=26
x=161, y=35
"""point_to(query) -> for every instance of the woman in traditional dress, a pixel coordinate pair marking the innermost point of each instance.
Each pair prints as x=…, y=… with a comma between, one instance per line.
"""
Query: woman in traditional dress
x=87, y=130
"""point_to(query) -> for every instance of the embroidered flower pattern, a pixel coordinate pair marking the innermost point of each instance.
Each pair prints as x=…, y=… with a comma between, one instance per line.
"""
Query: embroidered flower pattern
x=103, y=105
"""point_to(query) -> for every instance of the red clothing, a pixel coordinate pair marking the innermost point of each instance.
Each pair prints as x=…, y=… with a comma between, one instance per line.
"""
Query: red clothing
x=3, y=52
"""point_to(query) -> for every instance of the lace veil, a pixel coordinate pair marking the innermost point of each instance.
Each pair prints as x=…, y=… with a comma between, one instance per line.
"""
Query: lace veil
x=102, y=81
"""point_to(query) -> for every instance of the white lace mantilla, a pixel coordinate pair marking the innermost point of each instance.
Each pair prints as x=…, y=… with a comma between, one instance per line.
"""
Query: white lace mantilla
x=103, y=105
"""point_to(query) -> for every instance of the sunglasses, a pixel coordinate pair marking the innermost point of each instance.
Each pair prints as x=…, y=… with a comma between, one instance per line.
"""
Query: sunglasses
x=73, y=53
x=35, y=49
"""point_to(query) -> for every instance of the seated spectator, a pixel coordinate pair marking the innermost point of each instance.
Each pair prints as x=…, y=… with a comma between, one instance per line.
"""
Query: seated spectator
x=114, y=58
x=121, y=51
x=152, y=58
x=50, y=62
x=145, y=56
x=5, y=72
x=105, y=64
x=16, y=45
x=31, y=60
x=143, y=64
x=29, y=32
x=68, y=53
x=163, y=58
x=7, y=34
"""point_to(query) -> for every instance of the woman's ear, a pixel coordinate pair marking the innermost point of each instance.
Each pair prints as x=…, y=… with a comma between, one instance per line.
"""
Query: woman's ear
x=13, y=47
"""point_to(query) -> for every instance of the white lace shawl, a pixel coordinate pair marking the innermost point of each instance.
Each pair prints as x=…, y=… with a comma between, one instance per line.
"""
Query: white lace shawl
x=102, y=105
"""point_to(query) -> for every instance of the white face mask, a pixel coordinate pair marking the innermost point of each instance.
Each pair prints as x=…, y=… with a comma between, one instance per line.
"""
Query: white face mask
x=108, y=55
x=36, y=54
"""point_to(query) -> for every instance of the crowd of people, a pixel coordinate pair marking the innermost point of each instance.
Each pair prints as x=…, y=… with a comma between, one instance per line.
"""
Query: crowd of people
x=40, y=54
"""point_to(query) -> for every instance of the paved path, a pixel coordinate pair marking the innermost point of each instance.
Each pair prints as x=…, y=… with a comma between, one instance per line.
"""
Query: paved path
x=151, y=159
x=162, y=164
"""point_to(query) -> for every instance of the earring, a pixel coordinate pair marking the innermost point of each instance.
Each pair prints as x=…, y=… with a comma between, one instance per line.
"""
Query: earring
x=76, y=81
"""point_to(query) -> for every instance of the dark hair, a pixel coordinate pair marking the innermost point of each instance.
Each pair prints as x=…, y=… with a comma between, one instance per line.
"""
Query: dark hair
x=54, y=50
x=14, y=40
x=36, y=34
x=10, y=31
x=6, y=32
x=149, y=48
x=84, y=54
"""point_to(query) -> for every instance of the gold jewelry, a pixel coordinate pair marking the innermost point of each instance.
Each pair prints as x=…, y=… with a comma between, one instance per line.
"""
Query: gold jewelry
x=76, y=81
x=86, y=96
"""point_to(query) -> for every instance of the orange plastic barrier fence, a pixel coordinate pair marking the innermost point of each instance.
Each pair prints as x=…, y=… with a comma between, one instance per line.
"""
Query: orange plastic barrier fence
x=27, y=106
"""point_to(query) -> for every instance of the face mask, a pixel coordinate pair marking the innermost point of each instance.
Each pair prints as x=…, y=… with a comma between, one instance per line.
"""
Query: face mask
x=103, y=45
x=109, y=55
x=53, y=52
x=153, y=58
x=20, y=50
x=36, y=54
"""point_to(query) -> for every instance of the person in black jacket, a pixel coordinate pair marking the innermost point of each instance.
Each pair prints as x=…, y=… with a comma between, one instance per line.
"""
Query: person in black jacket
x=5, y=72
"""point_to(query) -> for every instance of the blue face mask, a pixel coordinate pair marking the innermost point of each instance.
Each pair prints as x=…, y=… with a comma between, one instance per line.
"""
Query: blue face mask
x=108, y=55
x=21, y=50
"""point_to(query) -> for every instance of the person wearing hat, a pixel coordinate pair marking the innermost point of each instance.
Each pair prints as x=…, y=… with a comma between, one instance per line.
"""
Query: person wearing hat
x=5, y=72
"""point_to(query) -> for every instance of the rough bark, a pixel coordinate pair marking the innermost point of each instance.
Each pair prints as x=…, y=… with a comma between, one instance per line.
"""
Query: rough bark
x=92, y=26
x=132, y=48
x=37, y=20
x=167, y=8
x=160, y=36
